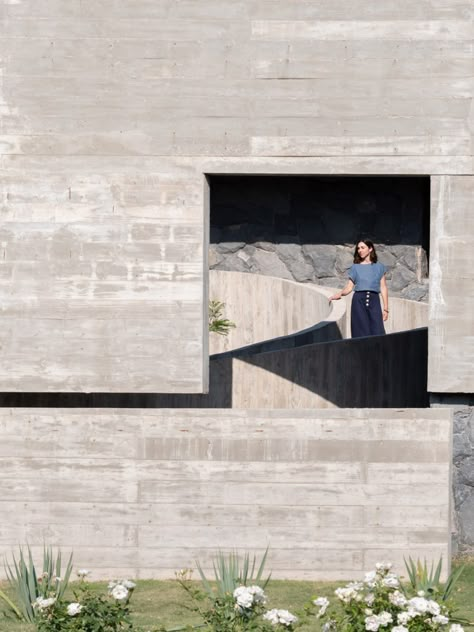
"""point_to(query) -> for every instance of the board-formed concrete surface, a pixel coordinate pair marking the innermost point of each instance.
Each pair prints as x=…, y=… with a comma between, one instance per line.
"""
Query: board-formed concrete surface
x=451, y=318
x=143, y=493
x=111, y=118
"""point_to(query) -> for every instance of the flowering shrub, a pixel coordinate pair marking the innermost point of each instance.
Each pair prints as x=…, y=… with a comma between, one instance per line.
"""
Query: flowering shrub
x=89, y=612
x=380, y=603
x=242, y=610
x=280, y=617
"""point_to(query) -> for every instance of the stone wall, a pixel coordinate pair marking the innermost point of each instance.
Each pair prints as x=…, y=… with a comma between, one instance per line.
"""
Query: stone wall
x=304, y=228
x=463, y=468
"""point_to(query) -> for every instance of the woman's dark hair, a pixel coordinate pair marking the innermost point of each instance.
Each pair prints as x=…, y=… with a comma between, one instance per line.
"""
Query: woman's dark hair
x=373, y=254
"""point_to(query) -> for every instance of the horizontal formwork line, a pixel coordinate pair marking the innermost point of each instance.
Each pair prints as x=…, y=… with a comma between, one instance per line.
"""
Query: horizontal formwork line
x=263, y=155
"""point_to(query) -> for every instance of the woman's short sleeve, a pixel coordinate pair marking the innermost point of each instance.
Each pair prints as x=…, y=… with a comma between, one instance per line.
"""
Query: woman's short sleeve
x=353, y=273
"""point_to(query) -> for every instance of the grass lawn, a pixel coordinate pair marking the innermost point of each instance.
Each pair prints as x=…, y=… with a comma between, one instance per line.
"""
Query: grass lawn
x=164, y=603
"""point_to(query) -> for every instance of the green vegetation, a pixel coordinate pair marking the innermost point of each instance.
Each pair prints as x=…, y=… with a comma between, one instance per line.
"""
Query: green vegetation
x=428, y=579
x=164, y=603
x=27, y=584
x=218, y=324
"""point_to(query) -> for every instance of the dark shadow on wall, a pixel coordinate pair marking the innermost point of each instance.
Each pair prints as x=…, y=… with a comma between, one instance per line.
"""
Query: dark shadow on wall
x=220, y=386
x=377, y=372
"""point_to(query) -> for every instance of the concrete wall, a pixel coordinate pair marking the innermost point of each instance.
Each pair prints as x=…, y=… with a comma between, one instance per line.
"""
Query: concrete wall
x=451, y=340
x=264, y=307
x=110, y=118
x=144, y=493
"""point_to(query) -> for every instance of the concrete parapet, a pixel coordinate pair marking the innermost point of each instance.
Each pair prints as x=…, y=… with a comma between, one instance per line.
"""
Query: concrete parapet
x=142, y=493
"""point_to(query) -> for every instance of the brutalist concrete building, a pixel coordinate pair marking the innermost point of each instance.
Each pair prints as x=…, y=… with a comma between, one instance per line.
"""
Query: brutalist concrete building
x=145, y=143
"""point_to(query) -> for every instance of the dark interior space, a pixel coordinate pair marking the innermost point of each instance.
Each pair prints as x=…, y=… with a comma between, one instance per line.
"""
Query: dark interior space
x=304, y=227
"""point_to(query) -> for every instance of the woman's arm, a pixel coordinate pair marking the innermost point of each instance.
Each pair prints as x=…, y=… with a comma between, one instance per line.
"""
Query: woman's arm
x=344, y=292
x=384, y=293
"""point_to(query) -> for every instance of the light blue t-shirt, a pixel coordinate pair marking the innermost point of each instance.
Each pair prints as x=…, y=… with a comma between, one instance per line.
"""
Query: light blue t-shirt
x=366, y=276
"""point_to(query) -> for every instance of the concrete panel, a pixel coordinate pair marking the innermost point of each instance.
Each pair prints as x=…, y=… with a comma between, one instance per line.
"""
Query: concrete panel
x=451, y=325
x=143, y=493
x=110, y=118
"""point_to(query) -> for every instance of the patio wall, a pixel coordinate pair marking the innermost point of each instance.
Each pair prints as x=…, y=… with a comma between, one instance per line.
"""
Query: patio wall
x=142, y=493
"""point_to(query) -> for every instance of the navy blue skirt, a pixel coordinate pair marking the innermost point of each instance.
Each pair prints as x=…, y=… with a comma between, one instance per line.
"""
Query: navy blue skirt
x=366, y=315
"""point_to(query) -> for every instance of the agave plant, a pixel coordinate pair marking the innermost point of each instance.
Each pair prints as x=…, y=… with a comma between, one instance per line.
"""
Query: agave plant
x=231, y=571
x=217, y=323
x=28, y=584
x=428, y=579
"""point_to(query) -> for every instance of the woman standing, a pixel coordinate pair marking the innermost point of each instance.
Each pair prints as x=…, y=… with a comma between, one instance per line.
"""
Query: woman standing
x=367, y=279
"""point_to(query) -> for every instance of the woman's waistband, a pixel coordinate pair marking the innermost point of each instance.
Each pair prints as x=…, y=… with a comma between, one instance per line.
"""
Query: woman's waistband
x=366, y=292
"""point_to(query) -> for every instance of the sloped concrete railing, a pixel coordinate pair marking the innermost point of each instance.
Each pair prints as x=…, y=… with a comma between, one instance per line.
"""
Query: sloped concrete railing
x=273, y=314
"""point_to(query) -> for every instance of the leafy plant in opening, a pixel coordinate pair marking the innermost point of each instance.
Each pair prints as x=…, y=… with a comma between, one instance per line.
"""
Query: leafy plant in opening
x=217, y=322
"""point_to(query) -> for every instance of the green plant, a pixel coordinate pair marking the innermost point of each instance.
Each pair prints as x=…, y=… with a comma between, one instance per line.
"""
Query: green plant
x=237, y=603
x=89, y=612
x=428, y=580
x=29, y=585
x=231, y=571
x=379, y=603
x=217, y=323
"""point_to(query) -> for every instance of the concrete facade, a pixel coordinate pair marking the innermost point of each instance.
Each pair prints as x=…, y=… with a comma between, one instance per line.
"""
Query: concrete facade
x=144, y=493
x=111, y=118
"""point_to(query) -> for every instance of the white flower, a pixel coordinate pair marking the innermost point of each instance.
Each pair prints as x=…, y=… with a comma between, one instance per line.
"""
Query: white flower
x=433, y=607
x=372, y=623
x=73, y=609
x=82, y=572
x=119, y=592
x=391, y=581
x=399, y=628
x=403, y=618
x=385, y=618
x=323, y=604
x=383, y=566
x=418, y=604
x=369, y=599
x=348, y=594
x=43, y=604
x=111, y=585
x=370, y=578
x=441, y=619
x=282, y=617
x=455, y=627
x=248, y=596
x=129, y=585
x=329, y=625
x=397, y=599
x=243, y=597
x=421, y=593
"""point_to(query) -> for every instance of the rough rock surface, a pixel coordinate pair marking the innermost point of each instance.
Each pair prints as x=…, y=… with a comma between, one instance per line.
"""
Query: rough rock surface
x=304, y=229
x=463, y=478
